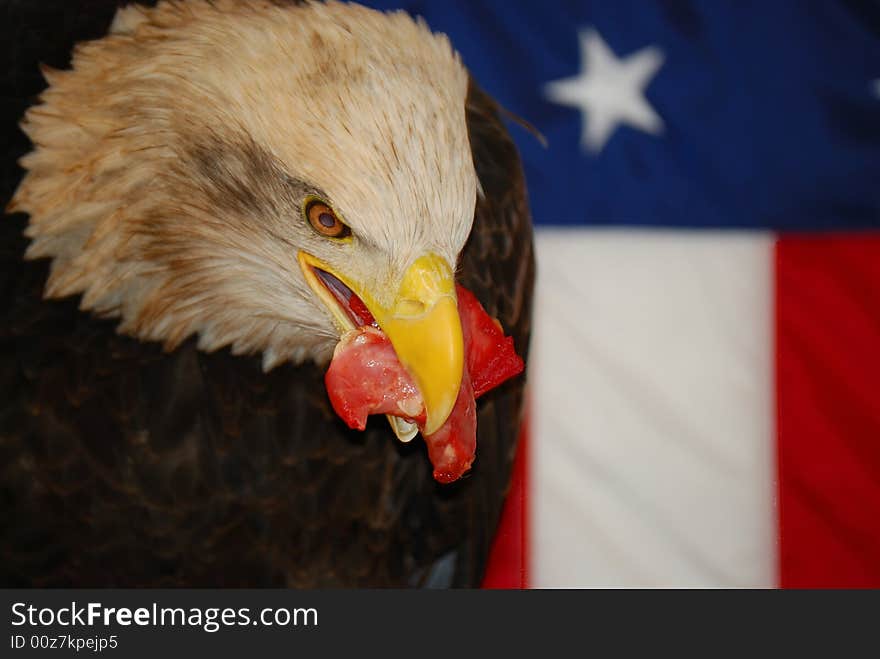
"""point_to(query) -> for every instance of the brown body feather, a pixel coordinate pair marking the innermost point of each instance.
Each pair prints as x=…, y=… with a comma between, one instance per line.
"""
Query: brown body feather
x=123, y=465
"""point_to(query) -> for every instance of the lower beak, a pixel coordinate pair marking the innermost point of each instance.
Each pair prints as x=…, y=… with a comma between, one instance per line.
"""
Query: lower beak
x=422, y=324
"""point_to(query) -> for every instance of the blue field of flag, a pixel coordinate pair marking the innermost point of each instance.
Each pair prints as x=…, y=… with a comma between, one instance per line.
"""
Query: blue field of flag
x=681, y=113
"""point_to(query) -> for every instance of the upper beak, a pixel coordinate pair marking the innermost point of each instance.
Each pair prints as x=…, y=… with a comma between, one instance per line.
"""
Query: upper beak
x=422, y=324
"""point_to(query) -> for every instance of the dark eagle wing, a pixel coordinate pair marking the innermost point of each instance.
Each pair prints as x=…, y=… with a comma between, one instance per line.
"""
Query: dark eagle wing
x=498, y=266
x=122, y=465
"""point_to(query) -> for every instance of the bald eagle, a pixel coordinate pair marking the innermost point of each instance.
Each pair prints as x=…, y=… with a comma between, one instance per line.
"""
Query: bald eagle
x=212, y=192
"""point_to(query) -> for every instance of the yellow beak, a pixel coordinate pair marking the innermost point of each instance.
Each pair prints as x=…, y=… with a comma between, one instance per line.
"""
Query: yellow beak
x=422, y=324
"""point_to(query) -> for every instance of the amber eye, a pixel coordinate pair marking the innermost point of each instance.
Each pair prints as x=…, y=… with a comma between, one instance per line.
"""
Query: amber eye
x=324, y=221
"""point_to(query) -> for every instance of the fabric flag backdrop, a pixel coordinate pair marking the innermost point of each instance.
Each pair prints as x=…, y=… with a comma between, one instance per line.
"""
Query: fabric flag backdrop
x=706, y=358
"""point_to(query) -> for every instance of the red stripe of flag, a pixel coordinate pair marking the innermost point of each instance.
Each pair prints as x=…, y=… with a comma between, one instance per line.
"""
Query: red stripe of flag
x=508, y=565
x=828, y=410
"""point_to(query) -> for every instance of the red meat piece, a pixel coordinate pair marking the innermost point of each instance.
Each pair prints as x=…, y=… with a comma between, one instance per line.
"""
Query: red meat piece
x=365, y=377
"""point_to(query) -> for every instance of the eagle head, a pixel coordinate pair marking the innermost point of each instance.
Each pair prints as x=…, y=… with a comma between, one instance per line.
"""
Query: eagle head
x=261, y=175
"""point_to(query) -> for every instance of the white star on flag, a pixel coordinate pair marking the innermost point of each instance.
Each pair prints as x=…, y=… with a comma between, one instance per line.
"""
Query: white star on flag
x=609, y=91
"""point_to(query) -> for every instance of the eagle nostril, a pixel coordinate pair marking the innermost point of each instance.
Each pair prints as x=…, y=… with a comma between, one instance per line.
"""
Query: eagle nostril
x=410, y=308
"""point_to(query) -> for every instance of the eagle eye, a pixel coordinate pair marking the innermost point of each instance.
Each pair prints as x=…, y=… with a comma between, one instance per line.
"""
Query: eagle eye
x=324, y=220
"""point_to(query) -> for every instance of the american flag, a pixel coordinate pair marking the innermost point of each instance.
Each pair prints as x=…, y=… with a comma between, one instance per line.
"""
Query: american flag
x=706, y=359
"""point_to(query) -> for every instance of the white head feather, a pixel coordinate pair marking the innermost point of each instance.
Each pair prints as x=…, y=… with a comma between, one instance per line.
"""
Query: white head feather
x=172, y=161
